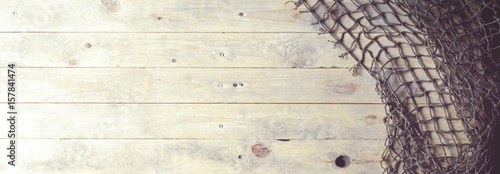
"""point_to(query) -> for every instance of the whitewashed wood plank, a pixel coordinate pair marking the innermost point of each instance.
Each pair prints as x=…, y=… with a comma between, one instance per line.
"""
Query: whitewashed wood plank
x=154, y=16
x=279, y=50
x=193, y=156
x=192, y=85
x=202, y=121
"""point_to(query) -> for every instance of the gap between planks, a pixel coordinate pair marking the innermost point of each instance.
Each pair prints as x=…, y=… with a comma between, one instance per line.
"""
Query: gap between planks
x=151, y=16
x=176, y=50
x=152, y=85
x=185, y=156
x=196, y=121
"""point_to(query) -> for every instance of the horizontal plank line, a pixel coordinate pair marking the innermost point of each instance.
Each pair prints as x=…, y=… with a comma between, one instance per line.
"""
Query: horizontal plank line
x=191, y=67
x=153, y=32
x=181, y=139
x=186, y=103
x=126, y=32
x=195, y=86
x=315, y=68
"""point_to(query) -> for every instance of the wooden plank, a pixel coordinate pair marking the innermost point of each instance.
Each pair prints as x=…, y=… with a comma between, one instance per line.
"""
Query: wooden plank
x=278, y=50
x=202, y=121
x=192, y=85
x=194, y=156
x=154, y=16
x=182, y=16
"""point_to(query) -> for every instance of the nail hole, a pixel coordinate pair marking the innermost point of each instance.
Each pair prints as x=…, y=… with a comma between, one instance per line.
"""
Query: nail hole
x=174, y=60
x=235, y=85
x=88, y=45
x=221, y=126
x=239, y=157
x=14, y=13
x=241, y=14
x=159, y=18
x=221, y=85
x=241, y=84
x=222, y=54
x=342, y=161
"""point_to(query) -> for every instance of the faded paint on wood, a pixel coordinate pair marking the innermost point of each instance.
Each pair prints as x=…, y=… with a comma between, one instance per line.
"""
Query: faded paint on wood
x=193, y=156
x=133, y=86
x=272, y=50
x=154, y=16
x=203, y=121
x=192, y=85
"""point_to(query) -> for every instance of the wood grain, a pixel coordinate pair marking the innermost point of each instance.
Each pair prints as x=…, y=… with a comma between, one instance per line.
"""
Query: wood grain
x=272, y=50
x=192, y=85
x=278, y=50
x=154, y=16
x=202, y=121
x=193, y=156
x=129, y=86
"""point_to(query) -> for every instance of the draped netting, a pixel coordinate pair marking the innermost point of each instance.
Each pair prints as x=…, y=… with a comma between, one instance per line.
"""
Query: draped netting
x=436, y=63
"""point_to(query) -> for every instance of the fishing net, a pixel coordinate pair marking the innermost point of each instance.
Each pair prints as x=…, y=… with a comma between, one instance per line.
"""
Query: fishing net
x=436, y=66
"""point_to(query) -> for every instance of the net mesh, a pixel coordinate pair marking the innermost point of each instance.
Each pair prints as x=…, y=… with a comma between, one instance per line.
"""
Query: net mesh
x=436, y=66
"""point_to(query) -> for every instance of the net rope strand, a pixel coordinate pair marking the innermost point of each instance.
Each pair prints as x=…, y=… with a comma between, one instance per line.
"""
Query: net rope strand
x=436, y=64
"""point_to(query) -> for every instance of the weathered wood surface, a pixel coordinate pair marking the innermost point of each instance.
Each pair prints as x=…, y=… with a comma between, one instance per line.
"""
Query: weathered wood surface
x=153, y=16
x=129, y=86
x=193, y=156
x=203, y=121
x=192, y=85
x=272, y=50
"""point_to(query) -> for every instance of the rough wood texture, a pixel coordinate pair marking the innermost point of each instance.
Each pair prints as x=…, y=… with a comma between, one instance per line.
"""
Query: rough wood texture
x=203, y=121
x=271, y=50
x=277, y=50
x=193, y=156
x=129, y=86
x=193, y=85
x=153, y=16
